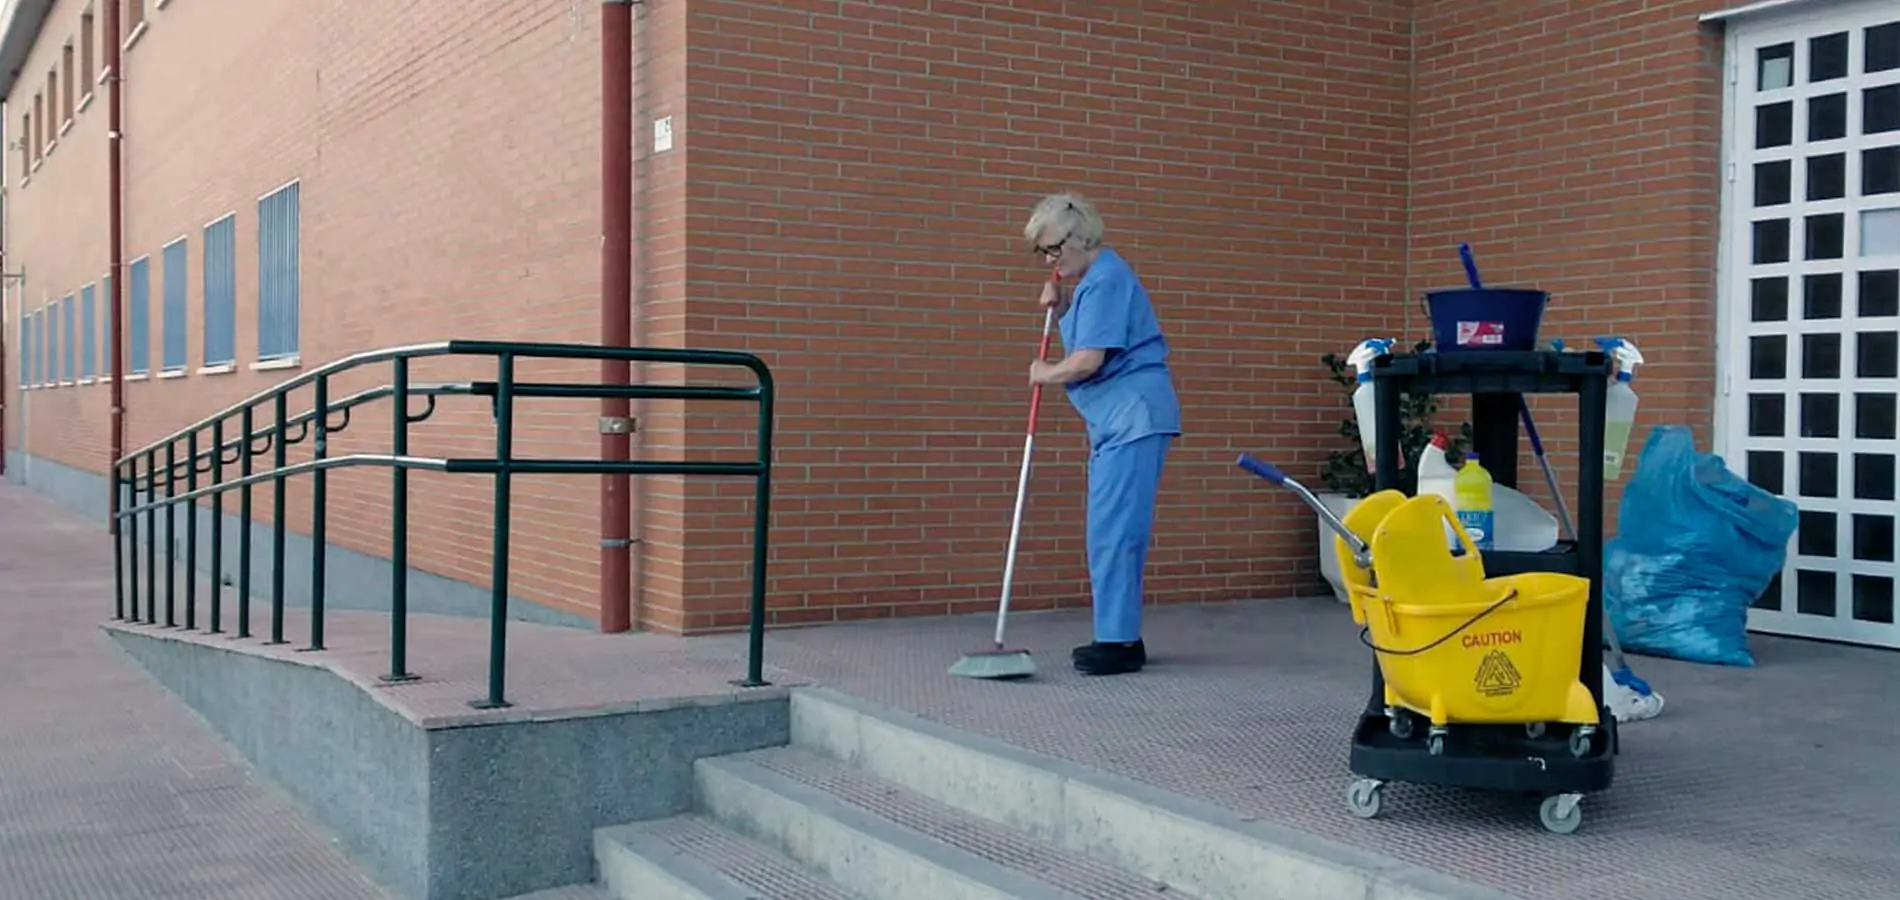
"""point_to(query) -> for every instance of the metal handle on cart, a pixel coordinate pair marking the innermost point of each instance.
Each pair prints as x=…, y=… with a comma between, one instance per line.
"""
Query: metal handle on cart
x=1361, y=553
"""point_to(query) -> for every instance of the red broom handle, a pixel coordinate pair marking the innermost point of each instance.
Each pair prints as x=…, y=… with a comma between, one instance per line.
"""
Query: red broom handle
x=1042, y=352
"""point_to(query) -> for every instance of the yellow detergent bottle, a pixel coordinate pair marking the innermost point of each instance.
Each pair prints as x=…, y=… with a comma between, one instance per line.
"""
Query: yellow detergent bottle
x=1472, y=487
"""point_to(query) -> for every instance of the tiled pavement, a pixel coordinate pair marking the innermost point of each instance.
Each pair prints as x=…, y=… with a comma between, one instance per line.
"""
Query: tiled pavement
x=1773, y=783
x=110, y=789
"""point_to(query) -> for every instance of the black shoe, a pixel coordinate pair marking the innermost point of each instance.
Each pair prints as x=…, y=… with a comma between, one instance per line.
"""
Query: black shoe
x=1110, y=659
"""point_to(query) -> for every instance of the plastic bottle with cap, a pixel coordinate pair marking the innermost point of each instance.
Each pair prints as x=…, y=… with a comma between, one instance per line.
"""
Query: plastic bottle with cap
x=1363, y=408
x=1619, y=408
x=1474, y=502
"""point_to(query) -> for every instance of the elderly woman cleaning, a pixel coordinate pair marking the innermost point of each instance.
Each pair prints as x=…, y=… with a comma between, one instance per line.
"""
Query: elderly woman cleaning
x=1115, y=371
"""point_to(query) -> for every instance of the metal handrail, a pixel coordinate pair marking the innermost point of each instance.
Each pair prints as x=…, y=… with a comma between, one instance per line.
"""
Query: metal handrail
x=502, y=393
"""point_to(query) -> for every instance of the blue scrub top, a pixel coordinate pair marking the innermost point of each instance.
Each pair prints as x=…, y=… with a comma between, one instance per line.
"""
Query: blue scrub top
x=1132, y=395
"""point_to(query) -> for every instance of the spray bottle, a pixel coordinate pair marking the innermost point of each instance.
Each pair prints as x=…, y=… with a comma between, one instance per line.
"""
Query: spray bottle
x=1619, y=408
x=1363, y=407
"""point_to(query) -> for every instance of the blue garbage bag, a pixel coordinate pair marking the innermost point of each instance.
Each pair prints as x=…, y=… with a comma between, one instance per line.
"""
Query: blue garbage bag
x=1695, y=545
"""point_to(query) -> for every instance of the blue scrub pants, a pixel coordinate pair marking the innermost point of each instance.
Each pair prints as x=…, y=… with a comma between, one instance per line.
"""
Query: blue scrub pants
x=1123, y=483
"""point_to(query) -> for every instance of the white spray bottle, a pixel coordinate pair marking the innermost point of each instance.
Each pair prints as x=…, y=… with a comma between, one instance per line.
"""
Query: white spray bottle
x=1619, y=408
x=1363, y=407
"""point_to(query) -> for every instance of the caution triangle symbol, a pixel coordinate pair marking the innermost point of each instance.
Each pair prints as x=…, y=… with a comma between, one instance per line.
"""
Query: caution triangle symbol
x=1497, y=675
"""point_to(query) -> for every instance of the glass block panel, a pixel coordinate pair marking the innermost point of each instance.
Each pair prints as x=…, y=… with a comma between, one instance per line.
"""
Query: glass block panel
x=1814, y=592
x=1874, y=416
x=1768, y=299
x=1774, y=182
x=1774, y=67
x=1879, y=171
x=1827, y=57
x=1883, y=48
x=1770, y=596
x=1873, y=538
x=1880, y=232
x=1767, y=415
x=1820, y=356
x=1827, y=176
x=1879, y=109
x=1815, y=536
x=1875, y=354
x=1820, y=474
x=1765, y=470
x=1821, y=415
x=1826, y=236
x=1873, y=598
x=1873, y=476
x=1768, y=356
x=1827, y=117
x=1774, y=124
x=1771, y=242
x=1879, y=292
x=1821, y=296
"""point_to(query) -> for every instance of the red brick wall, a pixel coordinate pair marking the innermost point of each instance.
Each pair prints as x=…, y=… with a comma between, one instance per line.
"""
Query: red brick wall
x=449, y=170
x=1576, y=146
x=859, y=176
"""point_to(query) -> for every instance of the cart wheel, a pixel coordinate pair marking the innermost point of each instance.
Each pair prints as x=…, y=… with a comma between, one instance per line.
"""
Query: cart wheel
x=1561, y=814
x=1580, y=743
x=1399, y=723
x=1435, y=745
x=1533, y=730
x=1366, y=797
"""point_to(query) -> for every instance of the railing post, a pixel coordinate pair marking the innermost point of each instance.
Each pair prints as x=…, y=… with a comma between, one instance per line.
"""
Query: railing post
x=191, y=535
x=151, y=537
x=131, y=468
x=498, y=580
x=248, y=423
x=118, y=541
x=399, y=530
x=761, y=526
x=171, y=534
x=318, y=492
x=279, y=457
x=217, y=527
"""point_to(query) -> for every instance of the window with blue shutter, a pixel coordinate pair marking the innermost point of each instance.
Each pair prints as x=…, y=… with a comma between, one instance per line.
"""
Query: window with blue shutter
x=279, y=292
x=138, y=297
x=69, y=332
x=220, y=292
x=175, y=340
x=88, y=333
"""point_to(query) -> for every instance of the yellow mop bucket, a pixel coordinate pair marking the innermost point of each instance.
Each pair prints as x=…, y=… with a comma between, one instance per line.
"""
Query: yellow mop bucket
x=1460, y=648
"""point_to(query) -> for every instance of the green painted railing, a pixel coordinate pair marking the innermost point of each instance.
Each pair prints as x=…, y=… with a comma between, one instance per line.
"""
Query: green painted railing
x=157, y=468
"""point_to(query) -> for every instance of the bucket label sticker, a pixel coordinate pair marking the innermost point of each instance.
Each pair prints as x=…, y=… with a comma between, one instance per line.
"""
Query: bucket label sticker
x=1480, y=334
x=1497, y=676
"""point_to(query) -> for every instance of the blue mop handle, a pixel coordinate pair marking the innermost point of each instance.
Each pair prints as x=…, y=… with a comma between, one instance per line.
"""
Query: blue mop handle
x=1471, y=266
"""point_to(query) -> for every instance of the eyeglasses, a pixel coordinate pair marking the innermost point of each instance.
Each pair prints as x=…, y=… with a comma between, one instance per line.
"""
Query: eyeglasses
x=1052, y=251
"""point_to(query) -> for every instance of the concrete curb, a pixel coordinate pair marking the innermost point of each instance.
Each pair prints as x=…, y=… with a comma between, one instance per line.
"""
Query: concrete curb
x=1197, y=847
x=633, y=864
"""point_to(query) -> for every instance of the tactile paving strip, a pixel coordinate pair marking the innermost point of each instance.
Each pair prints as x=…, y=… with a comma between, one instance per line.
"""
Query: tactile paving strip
x=1006, y=847
x=742, y=859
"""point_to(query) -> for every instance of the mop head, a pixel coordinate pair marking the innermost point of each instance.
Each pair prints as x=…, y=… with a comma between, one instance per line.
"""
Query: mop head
x=995, y=664
x=1627, y=703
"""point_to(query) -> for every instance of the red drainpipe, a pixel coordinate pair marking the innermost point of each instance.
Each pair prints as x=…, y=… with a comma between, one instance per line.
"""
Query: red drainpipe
x=616, y=307
x=115, y=224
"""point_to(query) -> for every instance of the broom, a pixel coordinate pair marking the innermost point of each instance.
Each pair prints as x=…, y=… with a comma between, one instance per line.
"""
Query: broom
x=998, y=661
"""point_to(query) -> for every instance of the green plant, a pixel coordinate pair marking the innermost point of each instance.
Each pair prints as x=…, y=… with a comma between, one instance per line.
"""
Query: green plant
x=1345, y=468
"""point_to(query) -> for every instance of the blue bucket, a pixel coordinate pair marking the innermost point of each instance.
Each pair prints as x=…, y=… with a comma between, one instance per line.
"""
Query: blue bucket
x=1467, y=319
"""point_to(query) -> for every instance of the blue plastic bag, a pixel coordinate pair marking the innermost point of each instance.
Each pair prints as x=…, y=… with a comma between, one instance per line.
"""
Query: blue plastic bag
x=1695, y=545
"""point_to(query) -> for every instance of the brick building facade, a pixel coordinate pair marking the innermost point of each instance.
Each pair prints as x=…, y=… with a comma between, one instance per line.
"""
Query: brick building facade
x=843, y=194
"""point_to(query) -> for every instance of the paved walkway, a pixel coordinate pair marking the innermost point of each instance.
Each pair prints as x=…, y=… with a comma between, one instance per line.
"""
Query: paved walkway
x=111, y=789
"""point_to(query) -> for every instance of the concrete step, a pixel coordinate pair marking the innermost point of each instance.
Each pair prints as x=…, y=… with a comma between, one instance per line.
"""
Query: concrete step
x=1189, y=845
x=691, y=858
x=880, y=841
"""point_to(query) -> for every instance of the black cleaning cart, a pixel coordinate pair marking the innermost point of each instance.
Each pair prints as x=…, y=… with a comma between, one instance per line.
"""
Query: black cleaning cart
x=1560, y=764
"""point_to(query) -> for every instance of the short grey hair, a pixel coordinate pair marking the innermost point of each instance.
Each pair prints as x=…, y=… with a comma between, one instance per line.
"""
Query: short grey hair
x=1066, y=213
